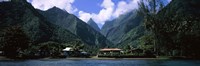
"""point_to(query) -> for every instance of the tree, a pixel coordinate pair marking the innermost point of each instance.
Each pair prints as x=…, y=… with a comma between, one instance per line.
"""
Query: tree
x=149, y=9
x=147, y=43
x=129, y=49
x=14, y=41
x=78, y=45
x=51, y=48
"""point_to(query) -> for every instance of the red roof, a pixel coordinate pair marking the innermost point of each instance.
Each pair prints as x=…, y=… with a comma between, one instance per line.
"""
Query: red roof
x=110, y=49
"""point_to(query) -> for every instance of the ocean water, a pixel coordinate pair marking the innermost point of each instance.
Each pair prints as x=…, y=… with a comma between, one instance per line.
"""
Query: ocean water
x=91, y=62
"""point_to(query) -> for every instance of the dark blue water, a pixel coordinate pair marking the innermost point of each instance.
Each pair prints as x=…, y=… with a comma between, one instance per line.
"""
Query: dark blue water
x=120, y=62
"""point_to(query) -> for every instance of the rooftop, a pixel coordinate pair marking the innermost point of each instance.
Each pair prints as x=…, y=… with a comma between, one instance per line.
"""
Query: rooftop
x=110, y=49
x=67, y=49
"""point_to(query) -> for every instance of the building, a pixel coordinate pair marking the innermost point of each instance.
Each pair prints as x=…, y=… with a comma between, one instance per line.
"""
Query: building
x=109, y=52
x=1, y=52
x=67, y=51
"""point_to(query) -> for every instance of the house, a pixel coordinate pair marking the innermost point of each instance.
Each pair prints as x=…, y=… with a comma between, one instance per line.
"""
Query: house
x=106, y=52
x=1, y=52
x=67, y=51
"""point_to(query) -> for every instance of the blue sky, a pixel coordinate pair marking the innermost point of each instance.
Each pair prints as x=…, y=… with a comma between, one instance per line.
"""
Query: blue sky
x=98, y=10
x=91, y=6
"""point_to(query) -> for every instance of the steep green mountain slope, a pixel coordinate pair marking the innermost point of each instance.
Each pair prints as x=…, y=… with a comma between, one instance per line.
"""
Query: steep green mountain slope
x=133, y=37
x=93, y=24
x=106, y=27
x=21, y=13
x=75, y=25
x=116, y=29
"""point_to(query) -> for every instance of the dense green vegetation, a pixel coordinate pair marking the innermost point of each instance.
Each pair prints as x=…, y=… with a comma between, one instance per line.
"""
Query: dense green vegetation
x=151, y=30
x=177, y=32
x=14, y=41
x=170, y=31
x=38, y=31
x=184, y=31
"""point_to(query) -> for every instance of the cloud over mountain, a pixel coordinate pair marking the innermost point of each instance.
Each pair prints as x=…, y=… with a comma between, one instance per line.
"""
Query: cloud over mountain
x=46, y=4
x=124, y=7
x=84, y=16
x=108, y=9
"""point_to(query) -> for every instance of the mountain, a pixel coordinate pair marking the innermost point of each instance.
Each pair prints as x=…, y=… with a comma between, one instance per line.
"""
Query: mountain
x=106, y=27
x=39, y=30
x=93, y=24
x=133, y=37
x=116, y=29
x=178, y=31
x=76, y=26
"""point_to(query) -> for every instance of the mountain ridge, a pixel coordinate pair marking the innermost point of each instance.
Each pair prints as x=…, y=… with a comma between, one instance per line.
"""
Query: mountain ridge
x=76, y=26
x=114, y=30
x=33, y=24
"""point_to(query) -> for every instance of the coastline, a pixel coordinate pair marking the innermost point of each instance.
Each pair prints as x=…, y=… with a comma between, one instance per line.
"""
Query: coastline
x=97, y=58
x=76, y=58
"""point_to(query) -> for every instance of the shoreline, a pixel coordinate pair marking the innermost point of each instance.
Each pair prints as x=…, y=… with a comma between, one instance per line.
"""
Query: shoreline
x=95, y=58
x=75, y=58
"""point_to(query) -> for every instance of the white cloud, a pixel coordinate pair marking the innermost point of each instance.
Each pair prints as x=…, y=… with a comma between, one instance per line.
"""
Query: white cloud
x=124, y=7
x=107, y=4
x=84, y=16
x=109, y=11
x=46, y=4
x=105, y=13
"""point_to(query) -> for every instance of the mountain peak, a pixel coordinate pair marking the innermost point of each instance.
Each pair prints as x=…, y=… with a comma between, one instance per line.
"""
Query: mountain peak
x=57, y=10
x=54, y=8
x=93, y=24
x=91, y=20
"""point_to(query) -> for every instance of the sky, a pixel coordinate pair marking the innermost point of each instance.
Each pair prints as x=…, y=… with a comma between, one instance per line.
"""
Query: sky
x=98, y=10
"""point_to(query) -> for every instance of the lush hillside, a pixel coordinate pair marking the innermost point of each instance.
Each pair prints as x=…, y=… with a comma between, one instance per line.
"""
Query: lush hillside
x=178, y=31
x=133, y=37
x=93, y=24
x=116, y=29
x=25, y=32
x=33, y=24
x=75, y=25
x=106, y=27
